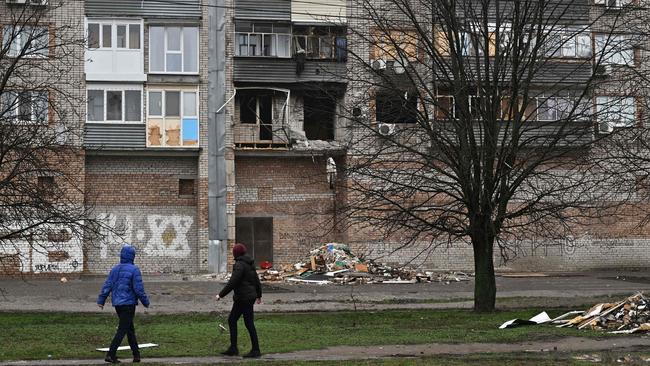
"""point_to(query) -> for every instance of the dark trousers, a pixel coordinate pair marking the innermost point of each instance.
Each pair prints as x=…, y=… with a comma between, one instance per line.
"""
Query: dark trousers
x=244, y=308
x=126, y=313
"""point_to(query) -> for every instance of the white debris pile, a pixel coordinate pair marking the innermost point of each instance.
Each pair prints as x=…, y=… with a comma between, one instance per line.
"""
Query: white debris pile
x=335, y=263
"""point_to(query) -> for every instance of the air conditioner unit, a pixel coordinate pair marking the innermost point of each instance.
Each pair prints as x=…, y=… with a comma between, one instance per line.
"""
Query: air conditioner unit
x=38, y=2
x=605, y=127
x=385, y=129
x=17, y=2
x=379, y=64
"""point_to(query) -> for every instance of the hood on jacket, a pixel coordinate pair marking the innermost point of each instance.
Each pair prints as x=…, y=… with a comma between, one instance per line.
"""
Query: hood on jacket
x=246, y=259
x=127, y=255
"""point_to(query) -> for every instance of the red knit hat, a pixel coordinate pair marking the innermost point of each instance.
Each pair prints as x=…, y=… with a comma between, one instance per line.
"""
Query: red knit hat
x=238, y=250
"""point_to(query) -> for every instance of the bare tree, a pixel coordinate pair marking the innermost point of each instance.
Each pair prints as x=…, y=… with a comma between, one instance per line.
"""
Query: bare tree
x=42, y=206
x=474, y=121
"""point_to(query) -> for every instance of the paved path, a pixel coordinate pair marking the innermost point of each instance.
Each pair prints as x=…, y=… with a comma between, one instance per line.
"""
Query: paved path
x=343, y=353
x=171, y=294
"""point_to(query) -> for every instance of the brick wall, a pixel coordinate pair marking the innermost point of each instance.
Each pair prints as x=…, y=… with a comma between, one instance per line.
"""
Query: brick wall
x=293, y=191
x=139, y=198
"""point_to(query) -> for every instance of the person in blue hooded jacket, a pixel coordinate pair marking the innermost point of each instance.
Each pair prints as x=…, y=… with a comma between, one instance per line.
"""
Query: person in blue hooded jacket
x=124, y=282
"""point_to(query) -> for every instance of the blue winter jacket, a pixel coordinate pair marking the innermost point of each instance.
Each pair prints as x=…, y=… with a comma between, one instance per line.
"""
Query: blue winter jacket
x=125, y=282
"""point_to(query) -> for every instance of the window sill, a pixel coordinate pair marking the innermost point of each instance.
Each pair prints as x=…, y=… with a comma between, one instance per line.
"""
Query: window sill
x=173, y=73
x=116, y=122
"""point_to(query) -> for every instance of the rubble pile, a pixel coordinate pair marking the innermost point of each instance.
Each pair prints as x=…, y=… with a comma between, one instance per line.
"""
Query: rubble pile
x=631, y=315
x=335, y=263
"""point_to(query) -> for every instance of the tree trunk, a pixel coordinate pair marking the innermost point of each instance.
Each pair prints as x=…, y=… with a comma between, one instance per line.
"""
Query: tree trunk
x=485, y=289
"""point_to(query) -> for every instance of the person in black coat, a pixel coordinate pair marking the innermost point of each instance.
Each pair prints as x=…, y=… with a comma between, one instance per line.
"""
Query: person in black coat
x=248, y=290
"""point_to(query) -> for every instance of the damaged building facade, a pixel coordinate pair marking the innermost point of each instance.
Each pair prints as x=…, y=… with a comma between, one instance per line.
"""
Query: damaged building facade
x=146, y=90
x=288, y=79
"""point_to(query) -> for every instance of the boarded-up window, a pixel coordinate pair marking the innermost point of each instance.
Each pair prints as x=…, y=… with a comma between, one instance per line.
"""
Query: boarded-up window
x=394, y=45
x=442, y=43
x=186, y=187
x=173, y=119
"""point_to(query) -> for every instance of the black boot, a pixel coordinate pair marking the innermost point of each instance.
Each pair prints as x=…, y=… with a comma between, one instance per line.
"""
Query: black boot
x=136, y=357
x=255, y=353
x=111, y=359
x=231, y=351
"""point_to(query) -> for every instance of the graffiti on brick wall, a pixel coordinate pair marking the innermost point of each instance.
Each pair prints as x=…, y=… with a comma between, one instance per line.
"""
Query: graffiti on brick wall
x=61, y=256
x=157, y=235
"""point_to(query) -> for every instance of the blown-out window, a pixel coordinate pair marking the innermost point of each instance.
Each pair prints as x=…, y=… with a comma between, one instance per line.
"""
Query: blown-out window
x=172, y=119
x=321, y=42
x=396, y=107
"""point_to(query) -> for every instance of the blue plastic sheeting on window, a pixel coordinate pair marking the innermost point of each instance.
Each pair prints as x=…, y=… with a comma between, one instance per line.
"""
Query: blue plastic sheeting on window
x=190, y=131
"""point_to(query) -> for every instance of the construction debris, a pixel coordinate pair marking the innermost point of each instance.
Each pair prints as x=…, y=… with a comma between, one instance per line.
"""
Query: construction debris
x=335, y=263
x=631, y=315
x=540, y=318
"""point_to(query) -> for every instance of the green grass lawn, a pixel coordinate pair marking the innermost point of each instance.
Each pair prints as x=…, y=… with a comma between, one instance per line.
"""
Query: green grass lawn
x=65, y=335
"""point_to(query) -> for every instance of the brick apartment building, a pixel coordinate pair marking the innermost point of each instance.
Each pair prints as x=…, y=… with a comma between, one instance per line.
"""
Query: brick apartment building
x=287, y=77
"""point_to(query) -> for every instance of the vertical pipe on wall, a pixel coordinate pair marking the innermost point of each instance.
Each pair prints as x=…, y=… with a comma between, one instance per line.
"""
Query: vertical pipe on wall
x=217, y=220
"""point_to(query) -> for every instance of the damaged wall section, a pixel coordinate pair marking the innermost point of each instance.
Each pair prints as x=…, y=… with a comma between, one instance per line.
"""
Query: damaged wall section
x=288, y=196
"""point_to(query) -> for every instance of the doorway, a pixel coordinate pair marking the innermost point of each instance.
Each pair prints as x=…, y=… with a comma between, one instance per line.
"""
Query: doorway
x=257, y=234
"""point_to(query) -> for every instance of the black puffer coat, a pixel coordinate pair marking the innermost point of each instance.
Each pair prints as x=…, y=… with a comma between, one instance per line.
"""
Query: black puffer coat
x=244, y=281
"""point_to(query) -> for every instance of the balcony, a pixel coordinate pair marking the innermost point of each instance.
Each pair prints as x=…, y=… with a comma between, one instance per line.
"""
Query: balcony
x=278, y=70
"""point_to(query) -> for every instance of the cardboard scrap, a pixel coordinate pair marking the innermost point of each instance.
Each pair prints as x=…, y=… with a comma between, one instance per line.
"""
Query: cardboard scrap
x=123, y=348
x=540, y=318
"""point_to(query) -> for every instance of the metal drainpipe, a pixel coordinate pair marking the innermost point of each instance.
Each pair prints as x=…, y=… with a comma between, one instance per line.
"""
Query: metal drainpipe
x=217, y=218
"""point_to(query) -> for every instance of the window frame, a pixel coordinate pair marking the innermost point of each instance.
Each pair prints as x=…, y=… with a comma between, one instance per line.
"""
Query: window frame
x=114, y=23
x=181, y=52
x=123, y=88
x=258, y=115
x=15, y=114
x=17, y=45
x=262, y=35
x=618, y=99
x=181, y=111
x=607, y=42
